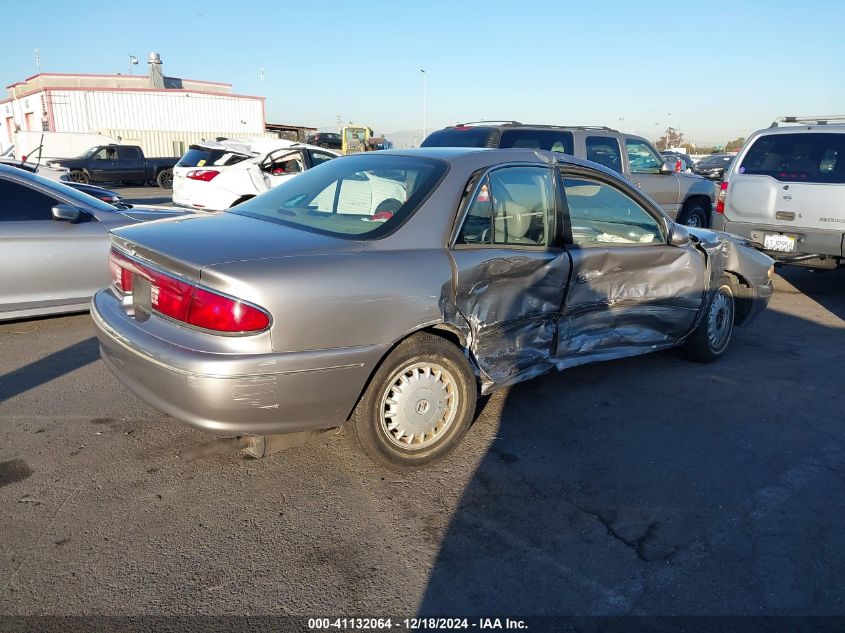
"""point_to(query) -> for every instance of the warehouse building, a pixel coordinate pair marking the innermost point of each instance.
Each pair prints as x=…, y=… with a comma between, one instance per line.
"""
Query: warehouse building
x=161, y=114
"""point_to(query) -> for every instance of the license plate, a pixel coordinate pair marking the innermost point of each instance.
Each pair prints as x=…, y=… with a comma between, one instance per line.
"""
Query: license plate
x=777, y=242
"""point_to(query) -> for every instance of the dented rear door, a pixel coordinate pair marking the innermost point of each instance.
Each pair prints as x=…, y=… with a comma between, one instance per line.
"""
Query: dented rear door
x=511, y=273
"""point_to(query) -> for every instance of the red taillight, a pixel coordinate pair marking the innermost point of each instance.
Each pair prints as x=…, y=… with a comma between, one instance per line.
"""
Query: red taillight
x=202, y=174
x=678, y=166
x=121, y=274
x=723, y=195
x=185, y=302
x=212, y=311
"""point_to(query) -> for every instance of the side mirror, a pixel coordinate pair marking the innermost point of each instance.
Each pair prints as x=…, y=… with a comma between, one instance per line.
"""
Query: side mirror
x=667, y=168
x=679, y=235
x=66, y=213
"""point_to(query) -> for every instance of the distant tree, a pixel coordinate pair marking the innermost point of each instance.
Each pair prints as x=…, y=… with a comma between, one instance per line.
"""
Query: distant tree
x=672, y=138
x=735, y=145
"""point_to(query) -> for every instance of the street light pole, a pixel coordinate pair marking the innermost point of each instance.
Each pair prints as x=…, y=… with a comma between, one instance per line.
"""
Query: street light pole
x=668, y=118
x=423, y=103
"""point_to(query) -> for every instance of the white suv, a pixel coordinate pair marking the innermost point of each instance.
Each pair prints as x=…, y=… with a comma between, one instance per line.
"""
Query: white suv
x=217, y=175
x=786, y=191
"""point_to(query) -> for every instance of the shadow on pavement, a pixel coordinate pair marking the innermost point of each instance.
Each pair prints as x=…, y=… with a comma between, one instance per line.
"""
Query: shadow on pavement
x=46, y=369
x=826, y=287
x=691, y=489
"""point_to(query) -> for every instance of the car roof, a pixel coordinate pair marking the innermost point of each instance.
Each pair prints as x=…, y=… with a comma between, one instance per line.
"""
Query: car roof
x=802, y=129
x=531, y=126
x=491, y=157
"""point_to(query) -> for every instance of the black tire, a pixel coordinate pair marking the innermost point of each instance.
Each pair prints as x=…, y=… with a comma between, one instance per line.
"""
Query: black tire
x=324, y=145
x=713, y=334
x=695, y=214
x=77, y=175
x=370, y=423
x=165, y=179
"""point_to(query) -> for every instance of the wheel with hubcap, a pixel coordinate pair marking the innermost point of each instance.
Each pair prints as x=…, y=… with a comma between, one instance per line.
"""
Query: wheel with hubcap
x=713, y=333
x=77, y=175
x=418, y=404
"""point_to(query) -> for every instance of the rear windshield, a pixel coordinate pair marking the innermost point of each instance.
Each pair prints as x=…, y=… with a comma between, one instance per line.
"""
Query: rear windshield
x=203, y=157
x=362, y=196
x=458, y=137
x=716, y=161
x=550, y=140
x=807, y=157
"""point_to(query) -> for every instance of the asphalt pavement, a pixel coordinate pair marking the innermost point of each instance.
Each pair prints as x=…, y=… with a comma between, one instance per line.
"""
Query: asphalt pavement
x=649, y=485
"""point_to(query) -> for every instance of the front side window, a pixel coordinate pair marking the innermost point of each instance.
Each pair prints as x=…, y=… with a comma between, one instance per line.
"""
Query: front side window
x=22, y=204
x=106, y=153
x=807, y=157
x=362, y=196
x=604, y=150
x=642, y=158
x=284, y=163
x=601, y=215
x=513, y=206
x=318, y=158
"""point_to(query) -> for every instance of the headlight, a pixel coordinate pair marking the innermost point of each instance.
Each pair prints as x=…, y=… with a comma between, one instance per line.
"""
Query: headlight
x=771, y=271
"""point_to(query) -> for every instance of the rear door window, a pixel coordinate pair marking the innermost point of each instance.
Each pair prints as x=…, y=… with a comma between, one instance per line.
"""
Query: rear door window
x=458, y=137
x=806, y=157
x=128, y=153
x=604, y=150
x=549, y=140
x=513, y=206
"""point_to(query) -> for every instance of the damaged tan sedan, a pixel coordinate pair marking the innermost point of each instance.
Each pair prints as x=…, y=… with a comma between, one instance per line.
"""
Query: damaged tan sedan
x=385, y=291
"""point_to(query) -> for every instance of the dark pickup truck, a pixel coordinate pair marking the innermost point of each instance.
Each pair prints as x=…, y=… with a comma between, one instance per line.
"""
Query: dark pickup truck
x=118, y=163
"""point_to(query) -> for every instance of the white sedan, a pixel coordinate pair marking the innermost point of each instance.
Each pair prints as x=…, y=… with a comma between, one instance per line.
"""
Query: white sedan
x=214, y=176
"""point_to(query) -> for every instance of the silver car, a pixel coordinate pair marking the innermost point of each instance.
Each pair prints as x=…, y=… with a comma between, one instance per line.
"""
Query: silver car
x=386, y=290
x=54, y=244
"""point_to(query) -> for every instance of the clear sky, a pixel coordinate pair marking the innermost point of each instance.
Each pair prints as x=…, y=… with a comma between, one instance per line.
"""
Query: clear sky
x=722, y=69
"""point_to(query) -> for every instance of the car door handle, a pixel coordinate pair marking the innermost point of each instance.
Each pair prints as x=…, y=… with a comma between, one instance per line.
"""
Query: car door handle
x=587, y=275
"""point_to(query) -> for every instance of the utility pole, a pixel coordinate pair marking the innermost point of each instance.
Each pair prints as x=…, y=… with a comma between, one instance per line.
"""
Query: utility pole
x=133, y=61
x=423, y=103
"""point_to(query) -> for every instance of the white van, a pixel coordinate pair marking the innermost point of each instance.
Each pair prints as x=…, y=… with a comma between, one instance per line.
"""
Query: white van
x=786, y=191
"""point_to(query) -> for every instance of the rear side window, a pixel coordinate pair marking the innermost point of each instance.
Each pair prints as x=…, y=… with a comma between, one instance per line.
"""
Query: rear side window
x=604, y=150
x=458, y=137
x=22, y=204
x=549, y=140
x=809, y=157
x=204, y=157
x=128, y=153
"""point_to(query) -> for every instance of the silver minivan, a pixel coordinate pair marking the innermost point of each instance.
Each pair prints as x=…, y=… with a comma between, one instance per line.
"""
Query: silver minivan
x=786, y=191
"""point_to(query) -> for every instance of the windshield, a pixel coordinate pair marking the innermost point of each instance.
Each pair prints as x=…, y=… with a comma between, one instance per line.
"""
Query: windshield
x=354, y=197
x=716, y=160
x=88, y=153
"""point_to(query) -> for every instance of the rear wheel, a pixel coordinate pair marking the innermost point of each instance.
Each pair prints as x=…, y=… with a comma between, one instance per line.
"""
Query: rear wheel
x=713, y=334
x=165, y=179
x=418, y=405
x=77, y=175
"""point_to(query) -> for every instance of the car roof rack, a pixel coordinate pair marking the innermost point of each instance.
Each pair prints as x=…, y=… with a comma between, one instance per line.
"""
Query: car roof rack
x=540, y=125
x=835, y=119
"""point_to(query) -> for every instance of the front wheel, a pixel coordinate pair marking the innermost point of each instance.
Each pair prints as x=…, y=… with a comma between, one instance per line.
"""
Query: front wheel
x=695, y=216
x=713, y=334
x=418, y=405
x=165, y=179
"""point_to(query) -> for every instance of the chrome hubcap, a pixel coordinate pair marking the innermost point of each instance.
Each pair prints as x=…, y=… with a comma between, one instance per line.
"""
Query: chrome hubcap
x=419, y=406
x=720, y=319
x=694, y=221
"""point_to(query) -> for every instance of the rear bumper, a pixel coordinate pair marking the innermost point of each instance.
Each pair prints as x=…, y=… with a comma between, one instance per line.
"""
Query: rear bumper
x=231, y=394
x=811, y=242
